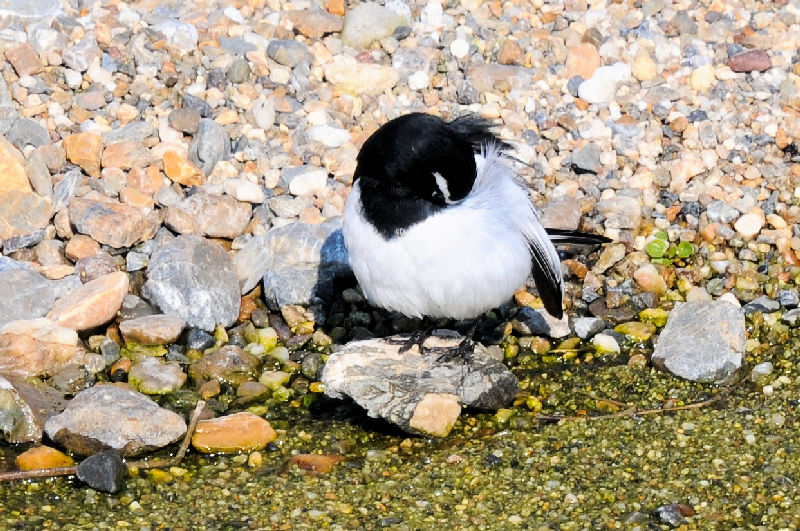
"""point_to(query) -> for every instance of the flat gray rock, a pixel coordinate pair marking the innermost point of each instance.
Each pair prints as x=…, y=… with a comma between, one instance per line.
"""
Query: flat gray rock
x=193, y=278
x=211, y=144
x=107, y=416
x=703, y=341
x=26, y=295
x=416, y=392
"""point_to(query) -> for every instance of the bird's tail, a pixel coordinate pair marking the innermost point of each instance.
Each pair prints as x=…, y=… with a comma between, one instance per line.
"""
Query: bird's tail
x=574, y=237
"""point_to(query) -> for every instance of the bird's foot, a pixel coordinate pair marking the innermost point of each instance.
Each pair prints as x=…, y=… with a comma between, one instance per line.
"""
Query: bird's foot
x=463, y=351
x=416, y=337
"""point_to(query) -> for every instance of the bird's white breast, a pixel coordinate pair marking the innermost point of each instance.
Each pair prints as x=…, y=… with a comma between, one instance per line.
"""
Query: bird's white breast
x=462, y=261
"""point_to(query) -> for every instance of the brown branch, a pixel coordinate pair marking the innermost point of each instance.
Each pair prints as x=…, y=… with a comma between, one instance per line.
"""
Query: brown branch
x=140, y=465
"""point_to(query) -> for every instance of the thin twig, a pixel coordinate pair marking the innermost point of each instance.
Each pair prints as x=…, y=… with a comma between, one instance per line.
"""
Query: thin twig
x=140, y=465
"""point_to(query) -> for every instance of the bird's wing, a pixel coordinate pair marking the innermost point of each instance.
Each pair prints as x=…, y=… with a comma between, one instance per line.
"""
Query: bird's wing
x=574, y=237
x=546, y=269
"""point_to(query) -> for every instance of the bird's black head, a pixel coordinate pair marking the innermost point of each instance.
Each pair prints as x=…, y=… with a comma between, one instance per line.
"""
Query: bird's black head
x=416, y=165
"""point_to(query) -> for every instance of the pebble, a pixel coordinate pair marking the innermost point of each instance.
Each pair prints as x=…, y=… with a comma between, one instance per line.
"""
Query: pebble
x=582, y=60
x=240, y=432
x=360, y=78
x=328, y=136
x=104, y=471
x=749, y=225
x=601, y=86
x=230, y=364
x=587, y=327
x=94, y=304
x=40, y=457
x=753, y=60
x=152, y=376
x=152, y=329
x=536, y=321
x=368, y=22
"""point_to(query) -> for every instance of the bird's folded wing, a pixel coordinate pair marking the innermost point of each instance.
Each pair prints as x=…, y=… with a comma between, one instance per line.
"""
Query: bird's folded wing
x=546, y=268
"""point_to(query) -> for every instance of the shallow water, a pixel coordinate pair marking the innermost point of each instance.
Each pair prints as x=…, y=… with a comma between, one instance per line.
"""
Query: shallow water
x=730, y=464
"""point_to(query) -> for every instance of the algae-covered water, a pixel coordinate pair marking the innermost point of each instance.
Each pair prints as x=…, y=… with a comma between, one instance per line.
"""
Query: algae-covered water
x=732, y=463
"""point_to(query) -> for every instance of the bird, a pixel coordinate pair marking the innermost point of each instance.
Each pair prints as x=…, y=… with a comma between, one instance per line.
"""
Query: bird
x=438, y=224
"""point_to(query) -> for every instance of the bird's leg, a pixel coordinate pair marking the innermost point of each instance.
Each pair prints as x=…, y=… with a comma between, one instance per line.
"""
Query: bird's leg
x=417, y=337
x=463, y=350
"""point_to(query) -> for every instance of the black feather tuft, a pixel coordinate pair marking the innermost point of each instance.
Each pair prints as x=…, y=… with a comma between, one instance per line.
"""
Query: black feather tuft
x=477, y=132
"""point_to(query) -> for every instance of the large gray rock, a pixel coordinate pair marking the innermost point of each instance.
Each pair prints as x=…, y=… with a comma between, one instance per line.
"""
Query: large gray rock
x=368, y=22
x=298, y=262
x=417, y=392
x=703, y=341
x=194, y=279
x=26, y=294
x=107, y=416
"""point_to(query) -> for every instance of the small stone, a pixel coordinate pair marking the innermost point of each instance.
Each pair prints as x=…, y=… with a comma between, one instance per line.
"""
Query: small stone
x=112, y=223
x=650, y=280
x=95, y=266
x=24, y=59
x=789, y=298
x=418, y=80
x=81, y=246
x=656, y=316
x=536, y=321
x=240, y=432
x=94, y=304
x=636, y=330
x=13, y=176
x=586, y=159
x=181, y=170
x=104, y=471
x=126, y=155
x=243, y=190
x=703, y=341
x=328, y=136
x=582, y=60
x=310, y=182
x=762, y=304
x=209, y=215
x=154, y=377
x=230, y=364
x=356, y=78
x=239, y=71
x=684, y=170
x=40, y=457
x=605, y=344
x=152, y=329
x=749, y=225
x=601, y=87
x=315, y=463
x=185, y=119
x=511, y=53
x=753, y=60
x=587, y=327
x=644, y=68
x=211, y=145
x=315, y=23
x=288, y=52
x=108, y=416
x=368, y=22
x=459, y=48
x=610, y=255
x=702, y=78
x=84, y=149
x=620, y=212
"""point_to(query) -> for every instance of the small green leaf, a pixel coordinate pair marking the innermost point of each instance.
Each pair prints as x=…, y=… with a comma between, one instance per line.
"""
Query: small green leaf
x=685, y=249
x=656, y=248
x=661, y=235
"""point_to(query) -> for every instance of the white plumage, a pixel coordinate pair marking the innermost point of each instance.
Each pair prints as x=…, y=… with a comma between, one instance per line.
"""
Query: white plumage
x=464, y=260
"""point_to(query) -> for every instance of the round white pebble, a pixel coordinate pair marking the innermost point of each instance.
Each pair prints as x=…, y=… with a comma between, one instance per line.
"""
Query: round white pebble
x=418, y=80
x=459, y=48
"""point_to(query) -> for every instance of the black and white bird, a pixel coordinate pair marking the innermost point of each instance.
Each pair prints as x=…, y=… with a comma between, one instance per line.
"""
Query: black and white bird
x=437, y=224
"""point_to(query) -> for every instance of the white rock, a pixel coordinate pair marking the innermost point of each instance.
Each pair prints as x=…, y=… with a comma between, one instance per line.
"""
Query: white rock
x=264, y=112
x=72, y=78
x=602, y=86
x=418, y=80
x=459, y=48
x=98, y=74
x=605, y=344
x=309, y=183
x=181, y=35
x=431, y=14
x=329, y=136
x=42, y=329
x=749, y=225
x=244, y=190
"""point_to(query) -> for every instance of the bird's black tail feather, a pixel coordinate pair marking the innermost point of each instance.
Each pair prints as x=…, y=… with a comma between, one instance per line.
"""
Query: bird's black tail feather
x=574, y=237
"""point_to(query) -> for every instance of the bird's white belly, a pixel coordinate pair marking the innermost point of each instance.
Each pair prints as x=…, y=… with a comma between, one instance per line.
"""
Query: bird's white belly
x=458, y=263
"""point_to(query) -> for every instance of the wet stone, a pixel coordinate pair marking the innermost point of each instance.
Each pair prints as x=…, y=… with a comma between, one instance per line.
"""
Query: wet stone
x=703, y=341
x=240, y=432
x=108, y=416
x=416, y=392
x=762, y=304
x=536, y=321
x=230, y=364
x=193, y=279
x=154, y=377
x=24, y=409
x=40, y=457
x=152, y=329
x=94, y=304
x=104, y=471
x=587, y=327
x=199, y=339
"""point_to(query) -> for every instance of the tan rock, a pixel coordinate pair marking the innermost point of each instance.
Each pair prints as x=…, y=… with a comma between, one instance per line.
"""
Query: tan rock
x=135, y=198
x=181, y=171
x=84, y=149
x=148, y=181
x=24, y=59
x=335, y=7
x=644, y=68
x=749, y=225
x=93, y=304
x=22, y=213
x=650, y=280
x=13, y=176
x=81, y=246
x=26, y=357
x=683, y=170
x=112, y=223
x=40, y=457
x=315, y=463
x=348, y=75
x=126, y=155
x=702, y=78
x=436, y=414
x=240, y=432
x=152, y=329
x=511, y=53
x=209, y=215
x=582, y=60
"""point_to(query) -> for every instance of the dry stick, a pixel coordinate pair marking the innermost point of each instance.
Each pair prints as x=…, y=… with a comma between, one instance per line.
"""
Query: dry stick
x=140, y=465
